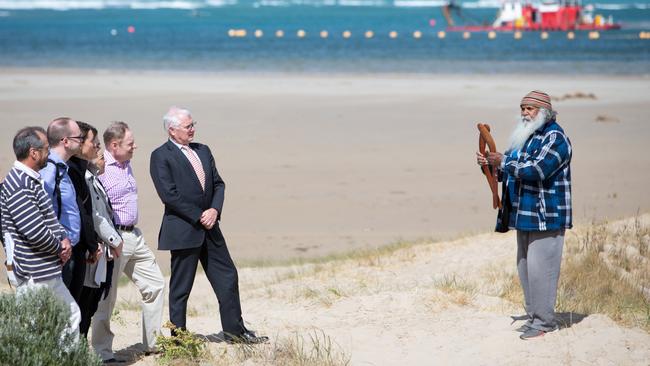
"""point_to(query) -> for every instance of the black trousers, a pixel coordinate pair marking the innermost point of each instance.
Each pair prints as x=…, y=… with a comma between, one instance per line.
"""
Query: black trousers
x=91, y=296
x=74, y=272
x=222, y=274
x=88, y=304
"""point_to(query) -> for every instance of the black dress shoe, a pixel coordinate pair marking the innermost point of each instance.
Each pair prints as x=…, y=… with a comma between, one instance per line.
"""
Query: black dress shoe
x=113, y=361
x=150, y=352
x=247, y=337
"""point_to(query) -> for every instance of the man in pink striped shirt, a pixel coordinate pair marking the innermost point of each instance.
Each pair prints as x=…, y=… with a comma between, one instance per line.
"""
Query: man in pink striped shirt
x=136, y=260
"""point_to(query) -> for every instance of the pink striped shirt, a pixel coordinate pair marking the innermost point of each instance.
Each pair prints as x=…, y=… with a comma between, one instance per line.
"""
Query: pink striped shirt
x=119, y=182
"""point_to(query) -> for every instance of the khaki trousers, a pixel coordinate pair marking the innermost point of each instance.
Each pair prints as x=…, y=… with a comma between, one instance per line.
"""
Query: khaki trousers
x=139, y=265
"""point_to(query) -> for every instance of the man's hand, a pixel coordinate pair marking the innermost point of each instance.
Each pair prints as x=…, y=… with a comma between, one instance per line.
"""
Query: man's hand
x=480, y=159
x=494, y=159
x=94, y=257
x=117, y=251
x=209, y=218
x=66, y=250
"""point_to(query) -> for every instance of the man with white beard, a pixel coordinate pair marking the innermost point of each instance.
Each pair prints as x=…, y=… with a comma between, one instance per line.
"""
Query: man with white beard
x=536, y=202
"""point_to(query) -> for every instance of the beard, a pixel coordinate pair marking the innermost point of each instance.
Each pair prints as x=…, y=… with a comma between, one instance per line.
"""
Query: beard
x=525, y=128
x=42, y=163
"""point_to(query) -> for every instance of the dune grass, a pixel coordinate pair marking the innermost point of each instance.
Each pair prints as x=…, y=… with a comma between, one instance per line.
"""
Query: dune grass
x=314, y=349
x=460, y=291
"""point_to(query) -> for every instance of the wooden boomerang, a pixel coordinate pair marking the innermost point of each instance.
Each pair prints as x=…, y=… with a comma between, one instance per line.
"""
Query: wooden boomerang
x=485, y=138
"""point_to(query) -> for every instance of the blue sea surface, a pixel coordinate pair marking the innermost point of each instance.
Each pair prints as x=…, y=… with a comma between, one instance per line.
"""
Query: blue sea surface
x=194, y=36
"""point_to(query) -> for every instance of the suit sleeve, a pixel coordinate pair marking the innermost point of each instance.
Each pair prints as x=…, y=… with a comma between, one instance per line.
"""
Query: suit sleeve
x=219, y=187
x=163, y=180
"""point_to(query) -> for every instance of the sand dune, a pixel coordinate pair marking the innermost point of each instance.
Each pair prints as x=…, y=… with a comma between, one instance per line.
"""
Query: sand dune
x=398, y=309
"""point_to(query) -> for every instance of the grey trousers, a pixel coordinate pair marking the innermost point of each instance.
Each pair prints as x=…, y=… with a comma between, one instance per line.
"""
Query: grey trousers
x=539, y=255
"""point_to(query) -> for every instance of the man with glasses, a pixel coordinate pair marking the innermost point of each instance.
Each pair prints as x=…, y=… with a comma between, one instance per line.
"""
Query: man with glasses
x=137, y=261
x=88, y=297
x=64, y=137
x=187, y=181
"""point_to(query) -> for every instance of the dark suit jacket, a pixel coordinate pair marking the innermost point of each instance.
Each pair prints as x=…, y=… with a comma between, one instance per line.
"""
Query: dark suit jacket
x=180, y=191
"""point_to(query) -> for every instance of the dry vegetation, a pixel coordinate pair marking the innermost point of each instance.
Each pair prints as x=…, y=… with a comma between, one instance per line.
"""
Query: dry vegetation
x=605, y=270
x=314, y=349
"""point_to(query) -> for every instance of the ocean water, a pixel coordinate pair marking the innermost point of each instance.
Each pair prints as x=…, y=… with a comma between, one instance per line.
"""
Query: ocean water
x=193, y=35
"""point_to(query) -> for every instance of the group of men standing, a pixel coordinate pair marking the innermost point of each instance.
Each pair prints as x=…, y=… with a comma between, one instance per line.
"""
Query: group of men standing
x=69, y=223
x=70, y=215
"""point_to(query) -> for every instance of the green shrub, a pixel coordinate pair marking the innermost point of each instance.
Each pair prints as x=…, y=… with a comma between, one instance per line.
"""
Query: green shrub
x=31, y=332
x=185, y=347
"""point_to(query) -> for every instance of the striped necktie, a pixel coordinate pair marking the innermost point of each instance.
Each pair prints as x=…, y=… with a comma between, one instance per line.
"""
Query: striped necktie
x=196, y=164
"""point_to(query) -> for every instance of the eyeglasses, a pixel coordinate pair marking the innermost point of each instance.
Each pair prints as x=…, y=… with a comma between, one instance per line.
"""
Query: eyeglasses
x=190, y=126
x=80, y=138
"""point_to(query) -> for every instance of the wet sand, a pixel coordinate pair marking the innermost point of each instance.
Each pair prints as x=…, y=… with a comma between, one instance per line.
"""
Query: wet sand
x=318, y=164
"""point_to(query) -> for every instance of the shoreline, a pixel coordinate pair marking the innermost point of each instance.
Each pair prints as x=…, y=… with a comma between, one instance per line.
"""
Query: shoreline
x=297, y=74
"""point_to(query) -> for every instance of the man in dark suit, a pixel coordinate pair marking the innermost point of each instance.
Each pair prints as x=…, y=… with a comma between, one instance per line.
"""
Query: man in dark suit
x=186, y=179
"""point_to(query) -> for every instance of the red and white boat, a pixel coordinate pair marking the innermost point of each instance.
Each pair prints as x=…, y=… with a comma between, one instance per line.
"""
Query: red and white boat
x=565, y=15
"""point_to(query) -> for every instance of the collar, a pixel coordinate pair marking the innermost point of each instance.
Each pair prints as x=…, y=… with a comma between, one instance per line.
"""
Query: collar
x=54, y=156
x=178, y=145
x=27, y=170
x=110, y=160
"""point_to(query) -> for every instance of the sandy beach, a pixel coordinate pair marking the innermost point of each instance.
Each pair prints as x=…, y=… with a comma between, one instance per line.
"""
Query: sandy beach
x=324, y=164
x=318, y=164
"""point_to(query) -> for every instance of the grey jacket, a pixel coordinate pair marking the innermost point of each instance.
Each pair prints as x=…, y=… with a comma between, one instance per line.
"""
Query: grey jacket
x=103, y=224
x=102, y=212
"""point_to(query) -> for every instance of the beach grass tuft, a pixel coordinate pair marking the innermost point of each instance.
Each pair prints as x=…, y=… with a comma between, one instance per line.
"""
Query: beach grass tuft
x=460, y=291
x=314, y=349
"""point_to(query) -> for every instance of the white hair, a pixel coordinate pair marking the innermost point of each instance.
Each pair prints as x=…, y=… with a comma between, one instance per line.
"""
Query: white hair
x=525, y=128
x=173, y=117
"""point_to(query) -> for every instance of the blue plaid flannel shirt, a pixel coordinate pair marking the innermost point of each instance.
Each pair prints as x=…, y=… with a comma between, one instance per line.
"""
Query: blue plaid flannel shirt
x=539, y=181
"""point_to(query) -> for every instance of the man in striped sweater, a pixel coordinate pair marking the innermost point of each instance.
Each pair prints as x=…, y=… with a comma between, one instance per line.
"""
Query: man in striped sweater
x=35, y=243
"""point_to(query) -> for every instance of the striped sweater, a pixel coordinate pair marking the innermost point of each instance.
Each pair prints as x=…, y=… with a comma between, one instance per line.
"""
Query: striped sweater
x=28, y=217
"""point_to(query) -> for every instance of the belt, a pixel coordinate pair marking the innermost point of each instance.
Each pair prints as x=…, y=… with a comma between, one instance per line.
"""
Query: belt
x=9, y=267
x=125, y=227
